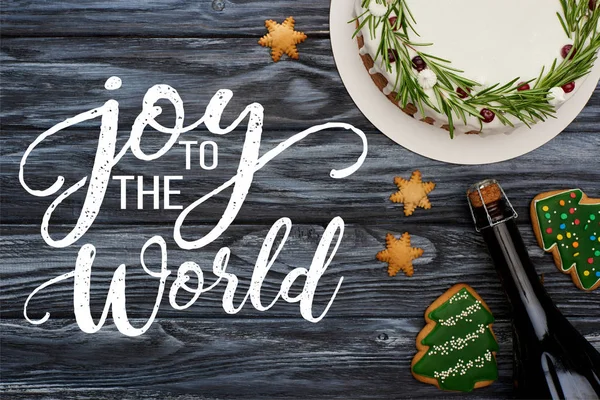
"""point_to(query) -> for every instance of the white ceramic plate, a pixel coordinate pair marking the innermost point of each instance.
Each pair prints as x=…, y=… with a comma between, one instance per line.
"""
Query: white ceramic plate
x=430, y=141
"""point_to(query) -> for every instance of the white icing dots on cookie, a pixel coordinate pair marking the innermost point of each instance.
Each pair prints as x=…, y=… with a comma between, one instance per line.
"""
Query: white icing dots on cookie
x=472, y=309
x=462, y=367
x=459, y=343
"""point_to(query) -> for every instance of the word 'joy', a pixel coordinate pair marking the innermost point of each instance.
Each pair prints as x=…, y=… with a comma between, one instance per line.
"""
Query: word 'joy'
x=250, y=162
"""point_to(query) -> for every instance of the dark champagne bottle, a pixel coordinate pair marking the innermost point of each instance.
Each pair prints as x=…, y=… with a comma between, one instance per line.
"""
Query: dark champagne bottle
x=551, y=358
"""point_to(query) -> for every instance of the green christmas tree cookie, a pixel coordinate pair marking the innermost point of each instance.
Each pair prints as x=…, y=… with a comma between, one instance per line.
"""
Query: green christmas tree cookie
x=567, y=224
x=457, y=348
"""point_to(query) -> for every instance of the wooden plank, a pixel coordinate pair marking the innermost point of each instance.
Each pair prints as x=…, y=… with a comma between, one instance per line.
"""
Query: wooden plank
x=40, y=76
x=452, y=254
x=162, y=18
x=222, y=358
x=296, y=183
x=46, y=80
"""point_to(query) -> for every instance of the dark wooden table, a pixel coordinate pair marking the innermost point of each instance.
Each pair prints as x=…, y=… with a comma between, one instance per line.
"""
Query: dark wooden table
x=56, y=57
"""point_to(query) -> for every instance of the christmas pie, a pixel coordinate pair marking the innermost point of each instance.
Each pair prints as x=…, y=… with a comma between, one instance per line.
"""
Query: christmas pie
x=474, y=66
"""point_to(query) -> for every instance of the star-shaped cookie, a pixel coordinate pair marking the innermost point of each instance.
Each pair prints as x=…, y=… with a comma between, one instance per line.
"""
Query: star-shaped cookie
x=412, y=193
x=399, y=254
x=282, y=38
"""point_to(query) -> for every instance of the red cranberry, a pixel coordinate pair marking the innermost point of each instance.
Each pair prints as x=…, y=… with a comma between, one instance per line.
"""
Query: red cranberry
x=392, y=55
x=462, y=94
x=393, y=21
x=488, y=115
x=523, y=86
x=418, y=63
x=564, y=52
x=569, y=87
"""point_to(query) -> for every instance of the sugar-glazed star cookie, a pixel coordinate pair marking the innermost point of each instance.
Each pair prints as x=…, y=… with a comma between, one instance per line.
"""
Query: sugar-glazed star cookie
x=399, y=254
x=282, y=38
x=412, y=193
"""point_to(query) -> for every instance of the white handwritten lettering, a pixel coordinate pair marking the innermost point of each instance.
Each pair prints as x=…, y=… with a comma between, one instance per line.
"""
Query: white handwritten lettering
x=250, y=162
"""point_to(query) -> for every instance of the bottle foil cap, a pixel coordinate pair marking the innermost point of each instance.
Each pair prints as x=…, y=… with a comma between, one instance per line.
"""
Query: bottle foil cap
x=489, y=204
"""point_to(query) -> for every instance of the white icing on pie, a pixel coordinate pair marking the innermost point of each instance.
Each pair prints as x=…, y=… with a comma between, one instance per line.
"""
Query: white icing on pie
x=378, y=9
x=427, y=79
x=492, y=42
x=556, y=96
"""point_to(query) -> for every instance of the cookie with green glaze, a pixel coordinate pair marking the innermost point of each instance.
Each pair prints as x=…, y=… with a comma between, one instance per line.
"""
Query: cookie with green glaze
x=457, y=348
x=566, y=223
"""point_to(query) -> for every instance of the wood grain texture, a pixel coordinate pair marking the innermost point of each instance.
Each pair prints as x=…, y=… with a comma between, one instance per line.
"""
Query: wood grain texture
x=452, y=254
x=55, y=59
x=296, y=183
x=162, y=18
x=71, y=73
x=225, y=358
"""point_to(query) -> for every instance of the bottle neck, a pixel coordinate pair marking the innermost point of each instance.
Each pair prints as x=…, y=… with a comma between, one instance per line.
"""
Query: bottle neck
x=526, y=294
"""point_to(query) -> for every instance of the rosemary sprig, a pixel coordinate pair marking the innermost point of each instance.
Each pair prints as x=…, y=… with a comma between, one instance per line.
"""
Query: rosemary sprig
x=529, y=106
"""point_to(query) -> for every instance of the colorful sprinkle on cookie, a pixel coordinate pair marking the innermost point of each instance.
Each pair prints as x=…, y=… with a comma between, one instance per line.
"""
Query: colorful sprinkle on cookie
x=282, y=38
x=412, y=193
x=457, y=348
x=399, y=254
x=576, y=250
